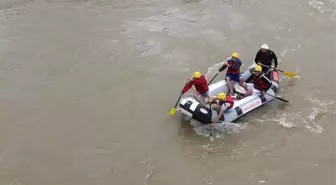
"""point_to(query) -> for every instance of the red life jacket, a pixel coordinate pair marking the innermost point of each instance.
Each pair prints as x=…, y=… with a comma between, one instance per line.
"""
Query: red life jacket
x=232, y=62
x=259, y=83
x=229, y=100
x=201, y=84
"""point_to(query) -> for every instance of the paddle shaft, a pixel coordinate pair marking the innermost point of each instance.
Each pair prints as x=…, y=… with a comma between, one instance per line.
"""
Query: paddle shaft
x=181, y=94
x=178, y=101
x=278, y=98
x=220, y=70
x=213, y=78
x=210, y=120
x=273, y=68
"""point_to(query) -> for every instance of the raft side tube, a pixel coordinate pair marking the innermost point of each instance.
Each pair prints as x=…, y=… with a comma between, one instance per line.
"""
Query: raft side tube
x=197, y=111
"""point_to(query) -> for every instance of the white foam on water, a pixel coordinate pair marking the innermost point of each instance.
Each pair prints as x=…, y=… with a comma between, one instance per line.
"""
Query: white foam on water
x=315, y=128
x=149, y=175
x=284, y=51
x=287, y=48
x=317, y=5
x=297, y=71
x=311, y=124
x=284, y=122
x=218, y=130
x=308, y=117
x=214, y=67
x=324, y=8
x=315, y=113
x=208, y=147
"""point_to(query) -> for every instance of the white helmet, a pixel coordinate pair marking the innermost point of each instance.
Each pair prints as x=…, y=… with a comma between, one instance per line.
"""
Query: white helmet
x=264, y=46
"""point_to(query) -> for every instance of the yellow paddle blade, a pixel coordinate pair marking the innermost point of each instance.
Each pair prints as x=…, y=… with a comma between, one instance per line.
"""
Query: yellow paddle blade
x=290, y=74
x=172, y=111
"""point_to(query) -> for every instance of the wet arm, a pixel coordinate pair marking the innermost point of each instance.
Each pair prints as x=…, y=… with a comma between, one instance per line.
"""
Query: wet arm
x=221, y=112
x=257, y=58
x=275, y=59
x=187, y=87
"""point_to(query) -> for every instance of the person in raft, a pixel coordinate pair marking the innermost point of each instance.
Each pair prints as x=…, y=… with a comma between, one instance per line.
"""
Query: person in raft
x=201, y=85
x=265, y=57
x=260, y=81
x=221, y=103
x=233, y=71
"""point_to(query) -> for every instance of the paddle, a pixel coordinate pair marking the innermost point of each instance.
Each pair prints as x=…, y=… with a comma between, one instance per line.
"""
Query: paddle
x=213, y=78
x=211, y=122
x=289, y=74
x=278, y=98
x=220, y=70
x=173, y=110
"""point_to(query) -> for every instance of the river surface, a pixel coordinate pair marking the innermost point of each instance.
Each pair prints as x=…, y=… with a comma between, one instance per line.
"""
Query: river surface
x=86, y=87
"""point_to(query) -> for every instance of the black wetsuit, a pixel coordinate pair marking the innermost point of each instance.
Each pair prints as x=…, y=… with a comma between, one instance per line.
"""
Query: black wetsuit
x=266, y=59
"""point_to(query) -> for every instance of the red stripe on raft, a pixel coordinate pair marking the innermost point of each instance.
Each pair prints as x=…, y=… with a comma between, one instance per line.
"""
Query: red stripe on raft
x=276, y=76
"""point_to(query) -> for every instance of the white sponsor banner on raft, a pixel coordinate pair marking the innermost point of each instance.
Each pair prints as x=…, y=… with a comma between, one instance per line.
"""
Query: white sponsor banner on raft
x=252, y=105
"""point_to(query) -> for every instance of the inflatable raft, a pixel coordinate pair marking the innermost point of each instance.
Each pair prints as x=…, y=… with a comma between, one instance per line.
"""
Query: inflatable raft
x=192, y=109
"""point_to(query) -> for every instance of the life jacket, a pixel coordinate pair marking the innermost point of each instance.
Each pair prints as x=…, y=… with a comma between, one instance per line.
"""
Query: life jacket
x=232, y=62
x=229, y=100
x=259, y=83
x=201, y=84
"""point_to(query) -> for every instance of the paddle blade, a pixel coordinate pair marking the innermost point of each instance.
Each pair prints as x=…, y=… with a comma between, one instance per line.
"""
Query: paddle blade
x=290, y=74
x=172, y=111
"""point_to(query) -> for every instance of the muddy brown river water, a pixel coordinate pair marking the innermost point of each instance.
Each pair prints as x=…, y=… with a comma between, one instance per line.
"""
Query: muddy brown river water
x=86, y=87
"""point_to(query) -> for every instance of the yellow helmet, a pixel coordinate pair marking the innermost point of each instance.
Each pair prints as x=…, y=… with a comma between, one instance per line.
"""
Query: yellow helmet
x=235, y=55
x=197, y=74
x=258, y=68
x=221, y=96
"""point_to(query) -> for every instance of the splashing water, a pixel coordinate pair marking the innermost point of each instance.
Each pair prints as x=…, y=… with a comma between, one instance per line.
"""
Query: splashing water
x=214, y=67
x=297, y=71
x=308, y=116
x=284, y=122
x=218, y=130
x=316, y=114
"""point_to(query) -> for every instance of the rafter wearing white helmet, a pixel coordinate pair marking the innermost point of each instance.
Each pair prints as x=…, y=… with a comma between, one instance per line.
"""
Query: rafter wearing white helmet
x=264, y=46
x=266, y=57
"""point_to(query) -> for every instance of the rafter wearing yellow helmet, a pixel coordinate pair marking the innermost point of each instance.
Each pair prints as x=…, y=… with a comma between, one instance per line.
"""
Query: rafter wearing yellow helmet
x=221, y=103
x=201, y=85
x=235, y=55
x=260, y=81
x=258, y=68
x=197, y=74
x=233, y=71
